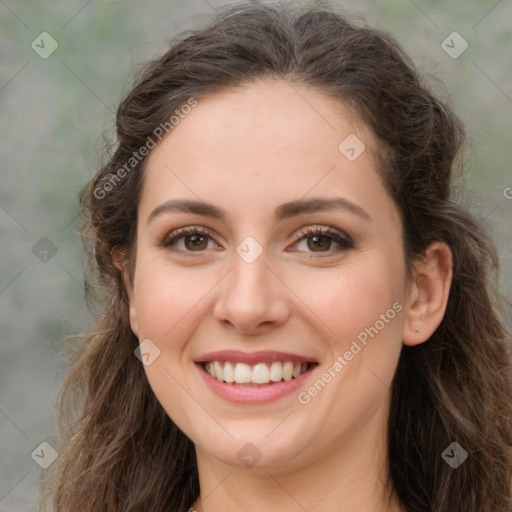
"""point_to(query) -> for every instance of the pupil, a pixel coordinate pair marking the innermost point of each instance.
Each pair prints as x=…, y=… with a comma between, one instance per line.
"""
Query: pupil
x=318, y=244
x=196, y=240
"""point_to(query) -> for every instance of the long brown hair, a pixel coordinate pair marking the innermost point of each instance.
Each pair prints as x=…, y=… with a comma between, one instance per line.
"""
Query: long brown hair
x=118, y=449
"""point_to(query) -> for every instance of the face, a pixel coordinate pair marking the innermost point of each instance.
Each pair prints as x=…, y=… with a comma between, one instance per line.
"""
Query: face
x=269, y=251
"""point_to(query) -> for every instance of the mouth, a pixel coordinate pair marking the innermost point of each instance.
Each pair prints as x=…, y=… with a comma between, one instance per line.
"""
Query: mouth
x=260, y=374
x=258, y=377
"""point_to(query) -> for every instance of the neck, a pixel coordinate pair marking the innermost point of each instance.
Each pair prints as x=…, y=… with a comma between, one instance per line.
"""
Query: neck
x=355, y=477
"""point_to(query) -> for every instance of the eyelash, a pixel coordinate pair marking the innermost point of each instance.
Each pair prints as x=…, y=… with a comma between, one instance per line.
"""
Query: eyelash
x=344, y=241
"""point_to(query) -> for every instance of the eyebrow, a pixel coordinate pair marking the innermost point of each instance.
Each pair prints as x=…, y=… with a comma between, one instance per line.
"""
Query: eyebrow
x=283, y=211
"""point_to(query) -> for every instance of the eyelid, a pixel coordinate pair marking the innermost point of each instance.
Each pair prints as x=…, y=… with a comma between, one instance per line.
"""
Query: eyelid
x=187, y=230
x=341, y=238
x=324, y=230
x=344, y=241
x=179, y=233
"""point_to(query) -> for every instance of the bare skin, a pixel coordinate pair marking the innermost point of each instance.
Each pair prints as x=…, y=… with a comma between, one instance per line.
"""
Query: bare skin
x=247, y=151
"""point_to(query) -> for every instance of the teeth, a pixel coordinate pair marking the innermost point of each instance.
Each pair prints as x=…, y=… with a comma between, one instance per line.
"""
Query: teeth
x=218, y=370
x=288, y=371
x=261, y=373
x=276, y=371
x=210, y=368
x=243, y=373
x=229, y=373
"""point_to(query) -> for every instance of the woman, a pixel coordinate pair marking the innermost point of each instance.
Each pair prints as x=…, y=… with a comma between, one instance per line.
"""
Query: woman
x=295, y=312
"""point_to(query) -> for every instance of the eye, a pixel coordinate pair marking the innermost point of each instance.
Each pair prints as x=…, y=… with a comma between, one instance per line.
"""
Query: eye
x=320, y=240
x=314, y=240
x=186, y=240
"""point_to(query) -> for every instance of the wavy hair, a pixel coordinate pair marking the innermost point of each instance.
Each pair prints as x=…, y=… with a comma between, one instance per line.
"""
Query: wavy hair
x=119, y=450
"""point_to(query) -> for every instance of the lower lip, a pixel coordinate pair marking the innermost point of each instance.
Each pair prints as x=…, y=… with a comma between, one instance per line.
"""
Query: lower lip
x=252, y=394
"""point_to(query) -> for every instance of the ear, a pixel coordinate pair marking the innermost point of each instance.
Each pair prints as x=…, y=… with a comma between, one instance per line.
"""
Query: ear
x=428, y=294
x=118, y=258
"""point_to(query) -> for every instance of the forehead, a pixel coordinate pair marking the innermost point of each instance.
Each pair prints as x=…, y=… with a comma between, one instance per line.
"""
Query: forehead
x=251, y=116
x=264, y=142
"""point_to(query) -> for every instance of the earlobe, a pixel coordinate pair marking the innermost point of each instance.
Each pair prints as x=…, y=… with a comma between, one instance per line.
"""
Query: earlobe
x=429, y=294
x=118, y=253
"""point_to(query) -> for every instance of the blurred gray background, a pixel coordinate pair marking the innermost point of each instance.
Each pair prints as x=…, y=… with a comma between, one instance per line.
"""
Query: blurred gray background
x=54, y=107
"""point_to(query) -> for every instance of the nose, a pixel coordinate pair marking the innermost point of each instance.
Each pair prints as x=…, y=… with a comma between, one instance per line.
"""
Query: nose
x=252, y=299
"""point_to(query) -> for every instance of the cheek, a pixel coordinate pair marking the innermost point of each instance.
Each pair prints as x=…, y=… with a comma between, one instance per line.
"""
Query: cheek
x=168, y=305
x=166, y=299
x=352, y=298
x=362, y=306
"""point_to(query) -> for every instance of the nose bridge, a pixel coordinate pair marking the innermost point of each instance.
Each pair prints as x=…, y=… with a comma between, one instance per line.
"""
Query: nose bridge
x=250, y=277
x=248, y=285
x=250, y=294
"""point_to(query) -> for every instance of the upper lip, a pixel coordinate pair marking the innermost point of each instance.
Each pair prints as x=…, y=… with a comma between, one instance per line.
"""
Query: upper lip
x=264, y=356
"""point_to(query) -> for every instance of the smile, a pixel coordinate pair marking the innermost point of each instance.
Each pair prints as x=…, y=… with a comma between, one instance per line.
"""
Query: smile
x=254, y=378
x=260, y=374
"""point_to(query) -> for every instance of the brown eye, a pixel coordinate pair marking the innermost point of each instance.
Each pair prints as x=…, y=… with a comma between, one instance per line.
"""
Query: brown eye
x=322, y=242
x=196, y=242
x=319, y=243
x=187, y=240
